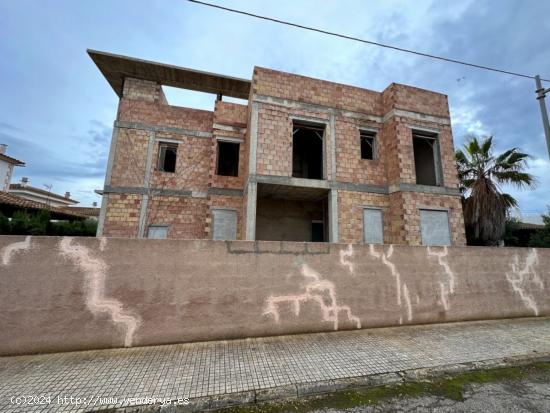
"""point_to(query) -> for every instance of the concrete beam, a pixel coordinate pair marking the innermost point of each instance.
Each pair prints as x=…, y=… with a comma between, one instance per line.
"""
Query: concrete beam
x=225, y=191
x=427, y=189
x=349, y=186
x=292, y=104
x=142, y=190
x=290, y=181
x=165, y=129
x=416, y=116
x=229, y=128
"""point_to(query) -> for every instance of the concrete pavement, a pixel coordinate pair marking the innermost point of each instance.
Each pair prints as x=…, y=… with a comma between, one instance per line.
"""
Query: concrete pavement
x=221, y=373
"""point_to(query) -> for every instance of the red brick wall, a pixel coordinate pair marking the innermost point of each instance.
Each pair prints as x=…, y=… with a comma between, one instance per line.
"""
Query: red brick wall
x=411, y=98
x=130, y=158
x=400, y=154
x=221, y=201
x=305, y=89
x=350, y=214
x=274, y=150
x=401, y=215
x=232, y=114
x=349, y=165
x=232, y=182
x=144, y=102
x=192, y=164
x=122, y=215
x=186, y=216
x=414, y=201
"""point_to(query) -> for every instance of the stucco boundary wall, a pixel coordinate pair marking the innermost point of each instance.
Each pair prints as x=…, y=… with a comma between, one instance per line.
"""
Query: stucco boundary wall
x=63, y=294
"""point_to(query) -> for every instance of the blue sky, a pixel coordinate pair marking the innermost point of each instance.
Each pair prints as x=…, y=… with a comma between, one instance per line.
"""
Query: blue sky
x=57, y=111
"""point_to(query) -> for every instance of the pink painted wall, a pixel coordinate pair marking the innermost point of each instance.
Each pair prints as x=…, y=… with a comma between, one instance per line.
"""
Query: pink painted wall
x=61, y=294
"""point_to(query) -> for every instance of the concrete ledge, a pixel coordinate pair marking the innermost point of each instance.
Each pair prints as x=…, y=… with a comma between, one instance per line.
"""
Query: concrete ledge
x=323, y=184
x=225, y=191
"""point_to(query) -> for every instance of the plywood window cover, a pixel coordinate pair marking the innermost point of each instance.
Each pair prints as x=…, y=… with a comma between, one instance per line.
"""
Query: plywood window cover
x=381, y=210
x=156, y=227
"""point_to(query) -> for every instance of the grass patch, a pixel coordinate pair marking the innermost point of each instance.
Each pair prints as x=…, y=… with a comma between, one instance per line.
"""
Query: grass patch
x=451, y=387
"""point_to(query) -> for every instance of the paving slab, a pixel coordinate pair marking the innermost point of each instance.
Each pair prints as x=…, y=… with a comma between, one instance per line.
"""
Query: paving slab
x=200, y=376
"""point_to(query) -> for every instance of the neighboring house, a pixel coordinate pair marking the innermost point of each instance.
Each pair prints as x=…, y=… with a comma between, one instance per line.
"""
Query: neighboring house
x=302, y=160
x=9, y=204
x=11, y=201
x=6, y=167
x=24, y=190
x=89, y=212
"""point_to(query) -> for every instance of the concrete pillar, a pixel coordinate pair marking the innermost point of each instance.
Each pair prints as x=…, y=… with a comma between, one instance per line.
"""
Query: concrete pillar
x=333, y=215
x=332, y=169
x=252, y=187
x=251, y=211
x=105, y=197
x=253, y=139
x=142, y=227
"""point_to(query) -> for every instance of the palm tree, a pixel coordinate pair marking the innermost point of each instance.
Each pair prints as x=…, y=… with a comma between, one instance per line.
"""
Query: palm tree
x=481, y=173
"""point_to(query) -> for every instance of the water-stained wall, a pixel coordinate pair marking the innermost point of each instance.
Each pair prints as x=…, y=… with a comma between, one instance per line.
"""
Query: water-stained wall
x=60, y=294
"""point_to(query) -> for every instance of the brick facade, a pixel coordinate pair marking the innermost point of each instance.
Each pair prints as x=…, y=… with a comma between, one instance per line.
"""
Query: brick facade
x=138, y=195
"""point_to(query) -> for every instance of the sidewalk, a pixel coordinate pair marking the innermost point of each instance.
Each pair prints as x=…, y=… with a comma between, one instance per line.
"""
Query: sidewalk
x=217, y=374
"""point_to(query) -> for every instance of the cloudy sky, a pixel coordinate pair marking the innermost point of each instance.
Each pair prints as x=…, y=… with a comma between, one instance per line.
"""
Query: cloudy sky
x=57, y=111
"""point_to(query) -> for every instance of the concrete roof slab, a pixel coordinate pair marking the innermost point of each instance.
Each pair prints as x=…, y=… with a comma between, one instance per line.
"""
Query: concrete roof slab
x=116, y=68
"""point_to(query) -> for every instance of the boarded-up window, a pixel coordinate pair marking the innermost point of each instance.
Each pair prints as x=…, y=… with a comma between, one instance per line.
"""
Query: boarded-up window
x=224, y=224
x=372, y=226
x=435, y=227
x=157, y=231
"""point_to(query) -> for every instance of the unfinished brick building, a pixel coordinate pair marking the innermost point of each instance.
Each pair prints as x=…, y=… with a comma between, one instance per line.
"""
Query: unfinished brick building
x=303, y=160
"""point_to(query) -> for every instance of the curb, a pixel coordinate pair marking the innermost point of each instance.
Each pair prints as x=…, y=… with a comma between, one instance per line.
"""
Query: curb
x=292, y=391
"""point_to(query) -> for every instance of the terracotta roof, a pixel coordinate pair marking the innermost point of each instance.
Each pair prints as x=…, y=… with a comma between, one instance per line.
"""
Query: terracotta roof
x=11, y=160
x=19, y=187
x=14, y=201
x=88, y=211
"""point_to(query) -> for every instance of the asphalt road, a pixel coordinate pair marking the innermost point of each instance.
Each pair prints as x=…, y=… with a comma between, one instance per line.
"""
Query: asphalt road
x=530, y=394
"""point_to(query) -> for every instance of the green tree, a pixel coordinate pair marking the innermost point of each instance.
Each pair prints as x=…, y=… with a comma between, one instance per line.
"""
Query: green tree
x=541, y=238
x=4, y=225
x=510, y=237
x=39, y=223
x=481, y=173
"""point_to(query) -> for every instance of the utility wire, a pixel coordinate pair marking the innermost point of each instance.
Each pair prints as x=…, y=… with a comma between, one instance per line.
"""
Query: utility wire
x=343, y=36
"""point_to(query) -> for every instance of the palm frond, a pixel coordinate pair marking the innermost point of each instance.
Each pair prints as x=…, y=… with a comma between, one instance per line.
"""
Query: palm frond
x=515, y=178
x=480, y=173
x=509, y=200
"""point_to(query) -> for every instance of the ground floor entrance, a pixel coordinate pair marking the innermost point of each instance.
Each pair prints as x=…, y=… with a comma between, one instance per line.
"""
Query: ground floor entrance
x=285, y=213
